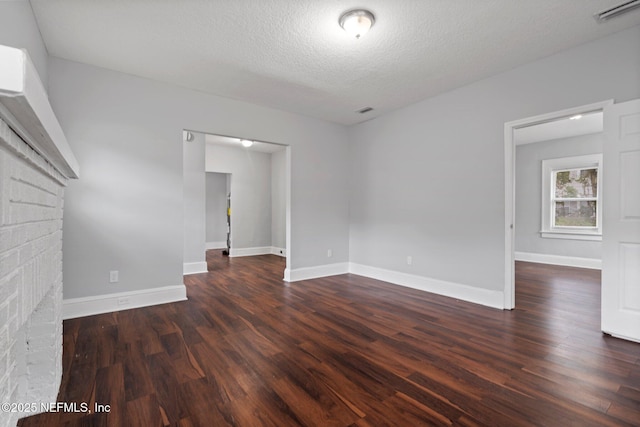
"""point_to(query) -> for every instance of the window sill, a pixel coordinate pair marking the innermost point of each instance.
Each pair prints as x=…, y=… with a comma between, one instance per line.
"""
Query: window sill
x=571, y=235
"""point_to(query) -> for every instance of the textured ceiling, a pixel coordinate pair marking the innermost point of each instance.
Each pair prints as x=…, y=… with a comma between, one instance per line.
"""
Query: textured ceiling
x=292, y=54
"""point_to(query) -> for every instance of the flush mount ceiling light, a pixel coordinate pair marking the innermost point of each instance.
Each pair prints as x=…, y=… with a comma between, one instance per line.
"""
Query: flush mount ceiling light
x=357, y=22
x=246, y=143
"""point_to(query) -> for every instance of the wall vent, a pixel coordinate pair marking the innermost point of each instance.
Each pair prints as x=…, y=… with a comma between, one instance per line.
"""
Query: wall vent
x=618, y=10
x=367, y=109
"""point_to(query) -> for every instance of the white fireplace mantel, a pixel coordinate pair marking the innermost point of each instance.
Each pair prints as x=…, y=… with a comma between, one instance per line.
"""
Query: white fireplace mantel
x=25, y=107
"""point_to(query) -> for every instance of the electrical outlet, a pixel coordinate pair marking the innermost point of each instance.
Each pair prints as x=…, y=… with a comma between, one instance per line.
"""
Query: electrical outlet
x=409, y=260
x=114, y=276
x=329, y=253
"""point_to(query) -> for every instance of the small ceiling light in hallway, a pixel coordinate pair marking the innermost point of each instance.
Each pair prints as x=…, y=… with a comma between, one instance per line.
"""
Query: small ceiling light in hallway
x=357, y=22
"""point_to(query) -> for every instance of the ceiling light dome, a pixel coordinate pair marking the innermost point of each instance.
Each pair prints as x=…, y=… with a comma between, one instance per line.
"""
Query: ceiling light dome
x=246, y=143
x=357, y=22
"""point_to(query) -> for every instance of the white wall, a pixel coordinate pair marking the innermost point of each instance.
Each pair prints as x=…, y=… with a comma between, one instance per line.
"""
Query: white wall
x=216, y=209
x=278, y=199
x=126, y=213
x=18, y=28
x=250, y=193
x=194, y=192
x=529, y=159
x=428, y=180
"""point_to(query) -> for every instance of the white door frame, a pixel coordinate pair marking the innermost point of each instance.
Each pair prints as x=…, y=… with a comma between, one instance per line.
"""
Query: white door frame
x=510, y=186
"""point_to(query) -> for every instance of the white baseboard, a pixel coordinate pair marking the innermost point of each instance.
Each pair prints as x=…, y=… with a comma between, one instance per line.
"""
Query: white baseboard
x=278, y=251
x=487, y=297
x=264, y=250
x=568, y=261
x=194, y=267
x=216, y=245
x=238, y=252
x=315, y=272
x=459, y=291
x=88, y=306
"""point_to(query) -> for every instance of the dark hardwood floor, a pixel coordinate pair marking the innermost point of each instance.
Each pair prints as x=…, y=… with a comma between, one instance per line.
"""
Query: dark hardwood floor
x=250, y=350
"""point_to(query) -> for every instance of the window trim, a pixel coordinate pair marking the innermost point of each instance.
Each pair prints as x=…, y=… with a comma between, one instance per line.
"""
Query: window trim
x=549, y=168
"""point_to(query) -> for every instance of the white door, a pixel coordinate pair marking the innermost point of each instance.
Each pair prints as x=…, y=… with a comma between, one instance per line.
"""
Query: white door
x=621, y=221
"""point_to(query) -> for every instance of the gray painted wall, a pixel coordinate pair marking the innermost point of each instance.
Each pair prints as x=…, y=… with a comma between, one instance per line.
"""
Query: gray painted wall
x=529, y=159
x=428, y=180
x=126, y=213
x=194, y=190
x=18, y=28
x=216, y=207
x=250, y=193
x=278, y=199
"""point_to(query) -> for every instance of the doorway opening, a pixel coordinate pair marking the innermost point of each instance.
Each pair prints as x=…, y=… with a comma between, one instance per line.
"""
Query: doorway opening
x=217, y=211
x=514, y=132
x=247, y=197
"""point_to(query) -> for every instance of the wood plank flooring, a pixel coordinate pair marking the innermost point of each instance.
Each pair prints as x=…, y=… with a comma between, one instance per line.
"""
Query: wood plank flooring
x=250, y=350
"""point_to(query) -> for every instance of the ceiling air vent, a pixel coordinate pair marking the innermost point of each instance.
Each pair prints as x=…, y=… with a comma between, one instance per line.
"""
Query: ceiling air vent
x=618, y=10
x=367, y=109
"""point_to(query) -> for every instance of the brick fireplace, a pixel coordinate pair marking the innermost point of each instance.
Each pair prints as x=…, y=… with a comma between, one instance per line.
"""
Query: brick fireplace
x=35, y=166
x=31, y=202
